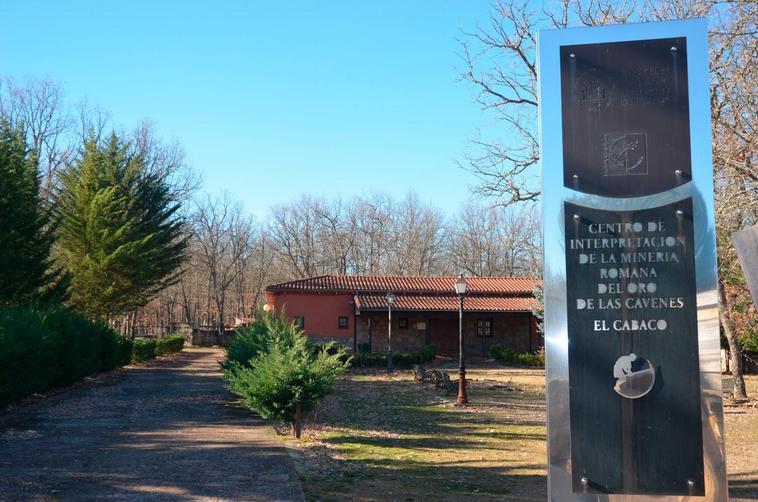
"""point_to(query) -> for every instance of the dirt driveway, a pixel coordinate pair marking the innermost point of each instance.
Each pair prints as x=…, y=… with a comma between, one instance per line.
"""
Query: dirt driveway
x=163, y=431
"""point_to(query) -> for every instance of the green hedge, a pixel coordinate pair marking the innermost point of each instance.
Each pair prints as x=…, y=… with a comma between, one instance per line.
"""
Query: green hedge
x=148, y=348
x=169, y=344
x=505, y=355
x=41, y=349
x=399, y=359
x=500, y=353
x=143, y=349
x=531, y=359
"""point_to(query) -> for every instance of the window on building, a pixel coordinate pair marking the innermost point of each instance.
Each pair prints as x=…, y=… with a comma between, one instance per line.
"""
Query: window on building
x=484, y=327
x=342, y=322
x=299, y=321
x=402, y=322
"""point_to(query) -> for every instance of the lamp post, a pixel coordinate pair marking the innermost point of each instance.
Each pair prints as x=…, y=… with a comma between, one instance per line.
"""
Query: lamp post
x=460, y=289
x=390, y=301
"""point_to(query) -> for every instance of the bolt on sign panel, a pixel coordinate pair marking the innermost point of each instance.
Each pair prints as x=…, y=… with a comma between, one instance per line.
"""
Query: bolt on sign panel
x=631, y=310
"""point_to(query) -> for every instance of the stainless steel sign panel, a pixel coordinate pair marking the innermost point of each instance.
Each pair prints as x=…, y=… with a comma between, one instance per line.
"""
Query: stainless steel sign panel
x=633, y=350
x=609, y=424
x=625, y=116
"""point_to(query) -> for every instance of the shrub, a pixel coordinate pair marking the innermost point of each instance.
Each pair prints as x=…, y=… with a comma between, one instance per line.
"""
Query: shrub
x=84, y=347
x=333, y=348
x=749, y=337
x=254, y=339
x=124, y=351
x=287, y=376
x=143, y=349
x=27, y=355
x=500, y=353
x=169, y=344
x=505, y=355
x=530, y=359
x=427, y=354
x=41, y=349
x=372, y=360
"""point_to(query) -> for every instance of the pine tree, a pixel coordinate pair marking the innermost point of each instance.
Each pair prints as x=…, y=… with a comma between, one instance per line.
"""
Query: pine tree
x=120, y=232
x=28, y=274
x=284, y=375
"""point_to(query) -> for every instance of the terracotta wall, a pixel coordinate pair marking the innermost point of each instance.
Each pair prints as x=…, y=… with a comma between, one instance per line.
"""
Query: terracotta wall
x=321, y=313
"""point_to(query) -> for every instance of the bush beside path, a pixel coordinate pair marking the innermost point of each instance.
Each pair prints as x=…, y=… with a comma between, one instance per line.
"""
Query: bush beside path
x=164, y=430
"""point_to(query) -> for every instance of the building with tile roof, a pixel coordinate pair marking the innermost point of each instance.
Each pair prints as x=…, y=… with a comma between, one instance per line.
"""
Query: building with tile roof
x=353, y=310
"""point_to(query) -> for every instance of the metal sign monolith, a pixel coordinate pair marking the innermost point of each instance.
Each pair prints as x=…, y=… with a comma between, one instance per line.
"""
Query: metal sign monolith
x=631, y=317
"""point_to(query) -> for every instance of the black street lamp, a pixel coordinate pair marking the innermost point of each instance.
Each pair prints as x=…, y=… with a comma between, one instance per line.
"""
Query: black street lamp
x=390, y=301
x=460, y=290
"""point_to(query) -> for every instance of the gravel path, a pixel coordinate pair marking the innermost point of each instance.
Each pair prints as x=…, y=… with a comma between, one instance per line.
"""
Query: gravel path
x=167, y=430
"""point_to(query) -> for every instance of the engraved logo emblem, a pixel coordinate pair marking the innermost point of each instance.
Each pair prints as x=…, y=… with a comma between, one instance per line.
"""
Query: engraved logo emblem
x=624, y=153
x=634, y=375
x=593, y=90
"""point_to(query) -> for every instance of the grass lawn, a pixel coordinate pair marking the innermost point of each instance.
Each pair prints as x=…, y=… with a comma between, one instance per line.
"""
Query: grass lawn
x=381, y=437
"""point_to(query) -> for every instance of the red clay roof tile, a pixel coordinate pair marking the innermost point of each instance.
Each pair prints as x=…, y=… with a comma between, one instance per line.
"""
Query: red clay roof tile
x=403, y=284
x=447, y=303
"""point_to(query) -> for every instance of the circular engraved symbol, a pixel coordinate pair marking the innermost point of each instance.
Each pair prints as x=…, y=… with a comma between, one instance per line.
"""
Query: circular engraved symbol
x=635, y=376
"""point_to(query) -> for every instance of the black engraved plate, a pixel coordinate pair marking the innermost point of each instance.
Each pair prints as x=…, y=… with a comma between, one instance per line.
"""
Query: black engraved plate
x=634, y=384
x=625, y=117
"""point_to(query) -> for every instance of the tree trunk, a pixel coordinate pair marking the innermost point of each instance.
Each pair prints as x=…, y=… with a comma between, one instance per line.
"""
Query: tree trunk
x=735, y=351
x=132, y=325
x=220, y=306
x=297, y=424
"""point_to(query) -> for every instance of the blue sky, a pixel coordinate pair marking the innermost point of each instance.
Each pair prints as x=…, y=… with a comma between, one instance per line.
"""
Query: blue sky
x=271, y=100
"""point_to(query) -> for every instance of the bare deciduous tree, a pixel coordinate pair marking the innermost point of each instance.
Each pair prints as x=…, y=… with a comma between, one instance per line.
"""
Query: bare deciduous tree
x=337, y=235
x=294, y=230
x=38, y=105
x=223, y=234
x=499, y=60
x=495, y=241
x=373, y=220
x=734, y=105
x=418, y=233
x=232, y=259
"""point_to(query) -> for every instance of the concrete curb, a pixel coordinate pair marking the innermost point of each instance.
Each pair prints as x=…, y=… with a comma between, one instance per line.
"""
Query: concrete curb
x=292, y=447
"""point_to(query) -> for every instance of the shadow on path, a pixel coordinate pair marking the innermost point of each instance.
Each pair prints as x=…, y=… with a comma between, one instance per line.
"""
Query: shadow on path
x=167, y=430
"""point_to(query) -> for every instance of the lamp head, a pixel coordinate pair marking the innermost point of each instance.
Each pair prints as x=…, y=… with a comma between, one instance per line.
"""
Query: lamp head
x=460, y=285
x=390, y=298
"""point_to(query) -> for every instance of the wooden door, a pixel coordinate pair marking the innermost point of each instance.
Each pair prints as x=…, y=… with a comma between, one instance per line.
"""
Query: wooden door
x=443, y=335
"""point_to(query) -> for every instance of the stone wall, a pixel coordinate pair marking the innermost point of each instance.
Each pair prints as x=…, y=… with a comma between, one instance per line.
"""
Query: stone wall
x=198, y=337
x=403, y=339
x=511, y=330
